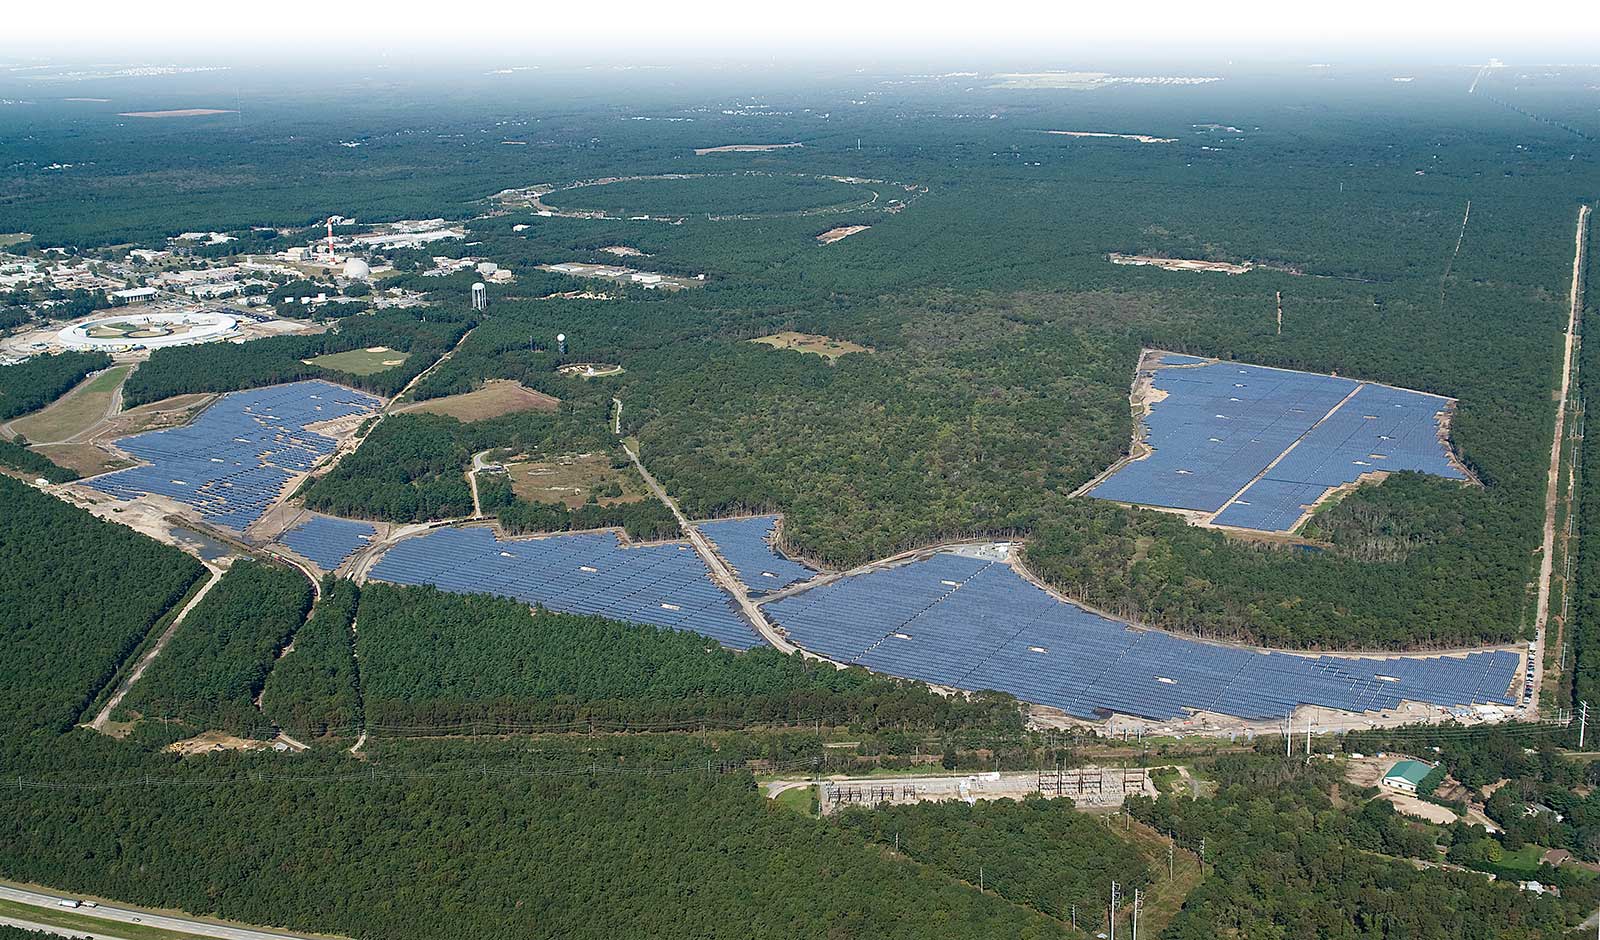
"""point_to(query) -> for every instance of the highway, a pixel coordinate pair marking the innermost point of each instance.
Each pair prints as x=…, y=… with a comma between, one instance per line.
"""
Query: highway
x=113, y=914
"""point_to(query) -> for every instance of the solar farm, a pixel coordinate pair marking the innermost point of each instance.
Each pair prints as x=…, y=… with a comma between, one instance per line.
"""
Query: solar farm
x=975, y=623
x=746, y=545
x=1255, y=447
x=327, y=541
x=663, y=585
x=232, y=463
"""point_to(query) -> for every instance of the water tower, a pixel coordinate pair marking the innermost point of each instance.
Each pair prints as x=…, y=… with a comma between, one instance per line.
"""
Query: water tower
x=561, y=343
x=480, y=297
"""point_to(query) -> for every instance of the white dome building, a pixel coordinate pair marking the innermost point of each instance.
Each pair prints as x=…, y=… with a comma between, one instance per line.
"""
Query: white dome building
x=357, y=270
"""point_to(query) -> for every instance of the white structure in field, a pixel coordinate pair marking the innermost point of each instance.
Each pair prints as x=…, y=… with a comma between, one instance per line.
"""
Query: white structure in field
x=357, y=270
x=149, y=330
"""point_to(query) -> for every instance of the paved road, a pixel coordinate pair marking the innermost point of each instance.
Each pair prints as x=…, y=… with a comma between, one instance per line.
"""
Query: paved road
x=111, y=914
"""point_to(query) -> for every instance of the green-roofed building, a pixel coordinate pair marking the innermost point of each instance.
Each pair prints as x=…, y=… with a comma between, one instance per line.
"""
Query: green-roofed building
x=1407, y=775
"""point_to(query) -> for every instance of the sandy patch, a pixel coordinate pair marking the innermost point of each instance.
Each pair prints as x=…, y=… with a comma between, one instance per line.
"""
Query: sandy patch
x=623, y=251
x=743, y=148
x=177, y=112
x=842, y=232
x=814, y=343
x=1141, y=138
x=1179, y=264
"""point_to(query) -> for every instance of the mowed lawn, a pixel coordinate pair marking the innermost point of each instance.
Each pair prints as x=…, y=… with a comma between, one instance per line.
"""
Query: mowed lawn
x=361, y=361
x=74, y=412
x=497, y=397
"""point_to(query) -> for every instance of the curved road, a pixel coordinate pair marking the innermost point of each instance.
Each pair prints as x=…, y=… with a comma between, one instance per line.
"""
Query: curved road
x=112, y=914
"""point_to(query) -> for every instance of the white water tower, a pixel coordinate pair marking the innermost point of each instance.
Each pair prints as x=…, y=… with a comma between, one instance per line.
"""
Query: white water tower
x=480, y=297
x=561, y=343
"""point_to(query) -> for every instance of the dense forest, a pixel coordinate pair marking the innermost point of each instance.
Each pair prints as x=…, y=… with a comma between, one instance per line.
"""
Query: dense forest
x=313, y=689
x=79, y=595
x=1038, y=853
x=216, y=664
x=431, y=660
x=30, y=385
x=1280, y=853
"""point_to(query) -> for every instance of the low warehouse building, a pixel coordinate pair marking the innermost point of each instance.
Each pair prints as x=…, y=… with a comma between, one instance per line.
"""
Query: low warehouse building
x=1407, y=775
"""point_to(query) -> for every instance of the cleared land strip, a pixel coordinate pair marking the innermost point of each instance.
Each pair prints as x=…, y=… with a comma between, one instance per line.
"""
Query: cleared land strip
x=1553, y=479
x=127, y=922
x=104, y=717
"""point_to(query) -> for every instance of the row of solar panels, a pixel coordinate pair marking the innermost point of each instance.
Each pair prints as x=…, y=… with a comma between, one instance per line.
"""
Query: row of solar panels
x=1222, y=424
x=974, y=624
x=231, y=463
x=746, y=545
x=664, y=585
x=328, y=541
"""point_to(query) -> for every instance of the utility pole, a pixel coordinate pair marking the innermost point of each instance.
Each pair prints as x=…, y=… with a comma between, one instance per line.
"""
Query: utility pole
x=1583, y=723
x=1138, y=901
x=1074, y=917
x=1288, y=736
x=1113, y=917
x=1170, y=853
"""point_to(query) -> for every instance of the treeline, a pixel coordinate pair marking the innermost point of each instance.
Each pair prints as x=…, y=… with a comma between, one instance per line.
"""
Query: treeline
x=647, y=518
x=23, y=460
x=78, y=596
x=216, y=664
x=227, y=367
x=33, y=383
x=313, y=689
x=1584, y=586
x=1281, y=852
x=1040, y=854
x=409, y=469
x=430, y=659
x=617, y=852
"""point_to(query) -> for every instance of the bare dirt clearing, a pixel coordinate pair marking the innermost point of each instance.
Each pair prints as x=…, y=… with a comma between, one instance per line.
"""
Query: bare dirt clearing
x=569, y=479
x=177, y=113
x=210, y=742
x=623, y=251
x=1179, y=264
x=590, y=370
x=497, y=397
x=814, y=343
x=842, y=232
x=743, y=148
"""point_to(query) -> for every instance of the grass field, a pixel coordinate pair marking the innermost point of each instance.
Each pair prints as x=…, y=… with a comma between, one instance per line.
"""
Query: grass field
x=568, y=479
x=824, y=346
x=76, y=411
x=798, y=800
x=7, y=239
x=361, y=361
x=497, y=397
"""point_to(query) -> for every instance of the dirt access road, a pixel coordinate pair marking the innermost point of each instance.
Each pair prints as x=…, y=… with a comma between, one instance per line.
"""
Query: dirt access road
x=1552, y=482
x=213, y=575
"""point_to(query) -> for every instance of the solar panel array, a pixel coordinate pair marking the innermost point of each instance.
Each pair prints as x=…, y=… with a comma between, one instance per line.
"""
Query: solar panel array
x=233, y=461
x=975, y=624
x=745, y=544
x=328, y=541
x=1222, y=424
x=664, y=585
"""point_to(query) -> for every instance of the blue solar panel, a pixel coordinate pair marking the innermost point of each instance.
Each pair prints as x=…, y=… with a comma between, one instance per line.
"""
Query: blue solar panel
x=234, y=460
x=664, y=584
x=1222, y=424
x=745, y=544
x=975, y=624
x=328, y=541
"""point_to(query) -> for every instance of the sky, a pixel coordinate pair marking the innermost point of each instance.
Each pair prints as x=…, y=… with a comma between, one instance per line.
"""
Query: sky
x=674, y=30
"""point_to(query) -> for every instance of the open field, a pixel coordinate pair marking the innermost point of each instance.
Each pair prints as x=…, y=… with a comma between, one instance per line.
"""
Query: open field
x=824, y=346
x=86, y=460
x=497, y=397
x=77, y=411
x=361, y=361
x=7, y=239
x=839, y=234
x=177, y=113
x=743, y=148
x=568, y=479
